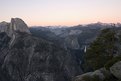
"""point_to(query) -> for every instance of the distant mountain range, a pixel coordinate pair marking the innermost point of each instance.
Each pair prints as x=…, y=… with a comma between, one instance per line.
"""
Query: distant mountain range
x=98, y=24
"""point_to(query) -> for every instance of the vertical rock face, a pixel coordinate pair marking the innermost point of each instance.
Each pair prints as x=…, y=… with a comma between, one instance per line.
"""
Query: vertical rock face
x=16, y=24
x=19, y=25
x=72, y=42
x=24, y=57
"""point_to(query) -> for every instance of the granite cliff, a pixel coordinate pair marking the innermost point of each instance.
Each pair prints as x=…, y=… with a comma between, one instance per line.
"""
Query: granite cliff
x=24, y=57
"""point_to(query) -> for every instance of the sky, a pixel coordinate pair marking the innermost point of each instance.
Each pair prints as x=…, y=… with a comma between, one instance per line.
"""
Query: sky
x=61, y=12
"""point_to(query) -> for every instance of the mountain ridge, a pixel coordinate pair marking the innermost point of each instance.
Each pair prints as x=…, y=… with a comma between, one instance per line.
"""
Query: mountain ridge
x=24, y=57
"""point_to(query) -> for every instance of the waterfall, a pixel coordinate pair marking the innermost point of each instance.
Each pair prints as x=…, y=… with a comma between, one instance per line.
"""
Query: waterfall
x=85, y=49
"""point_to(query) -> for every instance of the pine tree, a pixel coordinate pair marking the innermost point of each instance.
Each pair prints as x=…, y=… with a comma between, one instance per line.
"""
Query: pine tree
x=102, y=49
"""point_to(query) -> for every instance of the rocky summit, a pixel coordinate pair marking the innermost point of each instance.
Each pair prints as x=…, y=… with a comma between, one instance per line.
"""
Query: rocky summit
x=24, y=57
x=16, y=24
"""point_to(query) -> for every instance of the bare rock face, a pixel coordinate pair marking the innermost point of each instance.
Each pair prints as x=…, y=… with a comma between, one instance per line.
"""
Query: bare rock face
x=19, y=25
x=72, y=42
x=116, y=70
x=16, y=24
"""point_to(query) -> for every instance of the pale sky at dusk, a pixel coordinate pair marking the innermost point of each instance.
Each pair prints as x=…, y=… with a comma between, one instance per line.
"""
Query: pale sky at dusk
x=61, y=12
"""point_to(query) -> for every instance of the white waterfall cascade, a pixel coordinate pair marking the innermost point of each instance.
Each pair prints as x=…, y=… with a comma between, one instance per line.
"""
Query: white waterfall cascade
x=85, y=49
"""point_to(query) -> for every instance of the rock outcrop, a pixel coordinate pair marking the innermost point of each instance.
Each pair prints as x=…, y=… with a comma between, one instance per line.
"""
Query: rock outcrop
x=98, y=75
x=116, y=69
x=19, y=25
x=16, y=24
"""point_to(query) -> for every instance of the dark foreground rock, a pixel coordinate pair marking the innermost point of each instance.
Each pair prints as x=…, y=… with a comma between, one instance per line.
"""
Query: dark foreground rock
x=116, y=69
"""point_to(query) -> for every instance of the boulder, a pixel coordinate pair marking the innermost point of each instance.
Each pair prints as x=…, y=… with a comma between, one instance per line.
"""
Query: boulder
x=100, y=74
x=116, y=69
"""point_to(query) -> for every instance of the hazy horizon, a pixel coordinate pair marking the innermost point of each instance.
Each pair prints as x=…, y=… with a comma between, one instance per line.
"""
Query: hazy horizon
x=61, y=12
